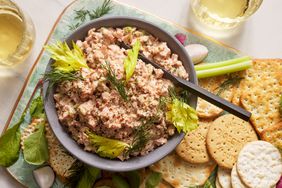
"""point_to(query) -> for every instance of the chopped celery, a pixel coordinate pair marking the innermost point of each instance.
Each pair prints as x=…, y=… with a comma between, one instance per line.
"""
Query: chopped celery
x=224, y=69
x=207, y=66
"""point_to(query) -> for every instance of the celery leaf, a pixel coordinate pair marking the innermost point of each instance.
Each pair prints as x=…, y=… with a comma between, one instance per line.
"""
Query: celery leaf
x=182, y=116
x=66, y=59
x=106, y=147
x=131, y=60
x=36, y=147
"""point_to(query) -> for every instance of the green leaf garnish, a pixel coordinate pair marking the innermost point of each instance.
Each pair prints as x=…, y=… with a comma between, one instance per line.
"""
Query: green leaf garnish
x=66, y=59
x=10, y=144
x=210, y=183
x=66, y=63
x=82, y=15
x=131, y=60
x=88, y=177
x=106, y=147
x=118, y=84
x=128, y=29
x=56, y=76
x=141, y=135
x=119, y=182
x=153, y=180
x=232, y=81
x=133, y=178
x=105, y=8
x=36, y=109
x=35, y=146
x=182, y=116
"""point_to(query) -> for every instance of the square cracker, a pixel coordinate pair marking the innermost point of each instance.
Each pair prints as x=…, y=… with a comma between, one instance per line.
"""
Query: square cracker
x=205, y=109
x=261, y=92
x=180, y=173
x=274, y=135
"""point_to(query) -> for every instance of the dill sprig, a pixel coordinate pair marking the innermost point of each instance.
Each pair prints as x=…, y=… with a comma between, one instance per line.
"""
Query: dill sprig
x=141, y=135
x=180, y=94
x=73, y=26
x=82, y=15
x=232, y=81
x=174, y=93
x=118, y=84
x=75, y=172
x=105, y=8
x=57, y=76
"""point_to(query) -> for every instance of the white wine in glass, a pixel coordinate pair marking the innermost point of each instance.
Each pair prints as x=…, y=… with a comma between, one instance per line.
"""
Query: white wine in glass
x=17, y=34
x=224, y=14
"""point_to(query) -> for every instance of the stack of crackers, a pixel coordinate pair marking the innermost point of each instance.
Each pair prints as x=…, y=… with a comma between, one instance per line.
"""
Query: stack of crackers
x=229, y=142
x=221, y=139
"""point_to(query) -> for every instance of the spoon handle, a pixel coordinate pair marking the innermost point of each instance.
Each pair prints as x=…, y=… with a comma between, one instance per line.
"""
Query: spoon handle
x=196, y=90
x=214, y=99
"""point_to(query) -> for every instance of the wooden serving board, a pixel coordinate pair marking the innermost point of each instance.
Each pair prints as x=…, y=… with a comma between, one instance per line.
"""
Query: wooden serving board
x=22, y=171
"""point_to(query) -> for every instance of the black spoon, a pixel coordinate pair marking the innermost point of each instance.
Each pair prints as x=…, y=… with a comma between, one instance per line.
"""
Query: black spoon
x=196, y=90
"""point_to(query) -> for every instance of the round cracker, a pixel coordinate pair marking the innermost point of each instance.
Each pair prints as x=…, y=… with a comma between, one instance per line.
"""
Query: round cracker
x=226, y=137
x=205, y=109
x=193, y=147
x=235, y=179
x=217, y=184
x=180, y=173
x=224, y=177
x=259, y=164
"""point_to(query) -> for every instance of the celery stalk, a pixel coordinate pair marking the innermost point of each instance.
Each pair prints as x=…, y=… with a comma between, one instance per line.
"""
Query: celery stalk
x=207, y=66
x=224, y=70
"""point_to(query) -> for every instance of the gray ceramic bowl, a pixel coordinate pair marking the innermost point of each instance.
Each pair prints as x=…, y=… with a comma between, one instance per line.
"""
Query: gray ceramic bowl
x=134, y=162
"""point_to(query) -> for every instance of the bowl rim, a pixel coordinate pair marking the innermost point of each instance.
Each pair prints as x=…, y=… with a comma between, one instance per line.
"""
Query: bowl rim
x=93, y=159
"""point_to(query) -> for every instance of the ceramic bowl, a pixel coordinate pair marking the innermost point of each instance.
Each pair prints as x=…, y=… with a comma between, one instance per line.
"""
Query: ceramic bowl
x=93, y=159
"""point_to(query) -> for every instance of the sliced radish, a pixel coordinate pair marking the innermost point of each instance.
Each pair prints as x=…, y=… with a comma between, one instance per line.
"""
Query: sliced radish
x=197, y=52
x=44, y=176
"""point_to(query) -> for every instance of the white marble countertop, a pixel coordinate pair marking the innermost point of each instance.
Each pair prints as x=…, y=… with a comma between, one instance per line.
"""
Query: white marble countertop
x=261, y=37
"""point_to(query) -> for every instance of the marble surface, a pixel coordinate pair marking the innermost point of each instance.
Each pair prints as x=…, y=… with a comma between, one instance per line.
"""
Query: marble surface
x=260, y=37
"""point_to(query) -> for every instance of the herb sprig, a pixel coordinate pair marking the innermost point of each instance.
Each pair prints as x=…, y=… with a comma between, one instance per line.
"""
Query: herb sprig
x=55, y=77
x=82, y=15
x=66, y=63
x=105, y=8
x=141, y=135
x=106, y=147
x=118, y=84
x=131, y=60
x=232, y=81
x=179, y=113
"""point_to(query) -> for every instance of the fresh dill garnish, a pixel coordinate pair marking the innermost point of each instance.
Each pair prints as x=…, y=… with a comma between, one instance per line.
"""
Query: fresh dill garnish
x=178, y=93
x=105, y=8
x=162, y=103
x=57, y=76
x=82, y=15
x=74, y=173
x=141, y=135
x=81, y=175
x=73, y=26
x=66, y=63
x=118, y=84
x=232, y=81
